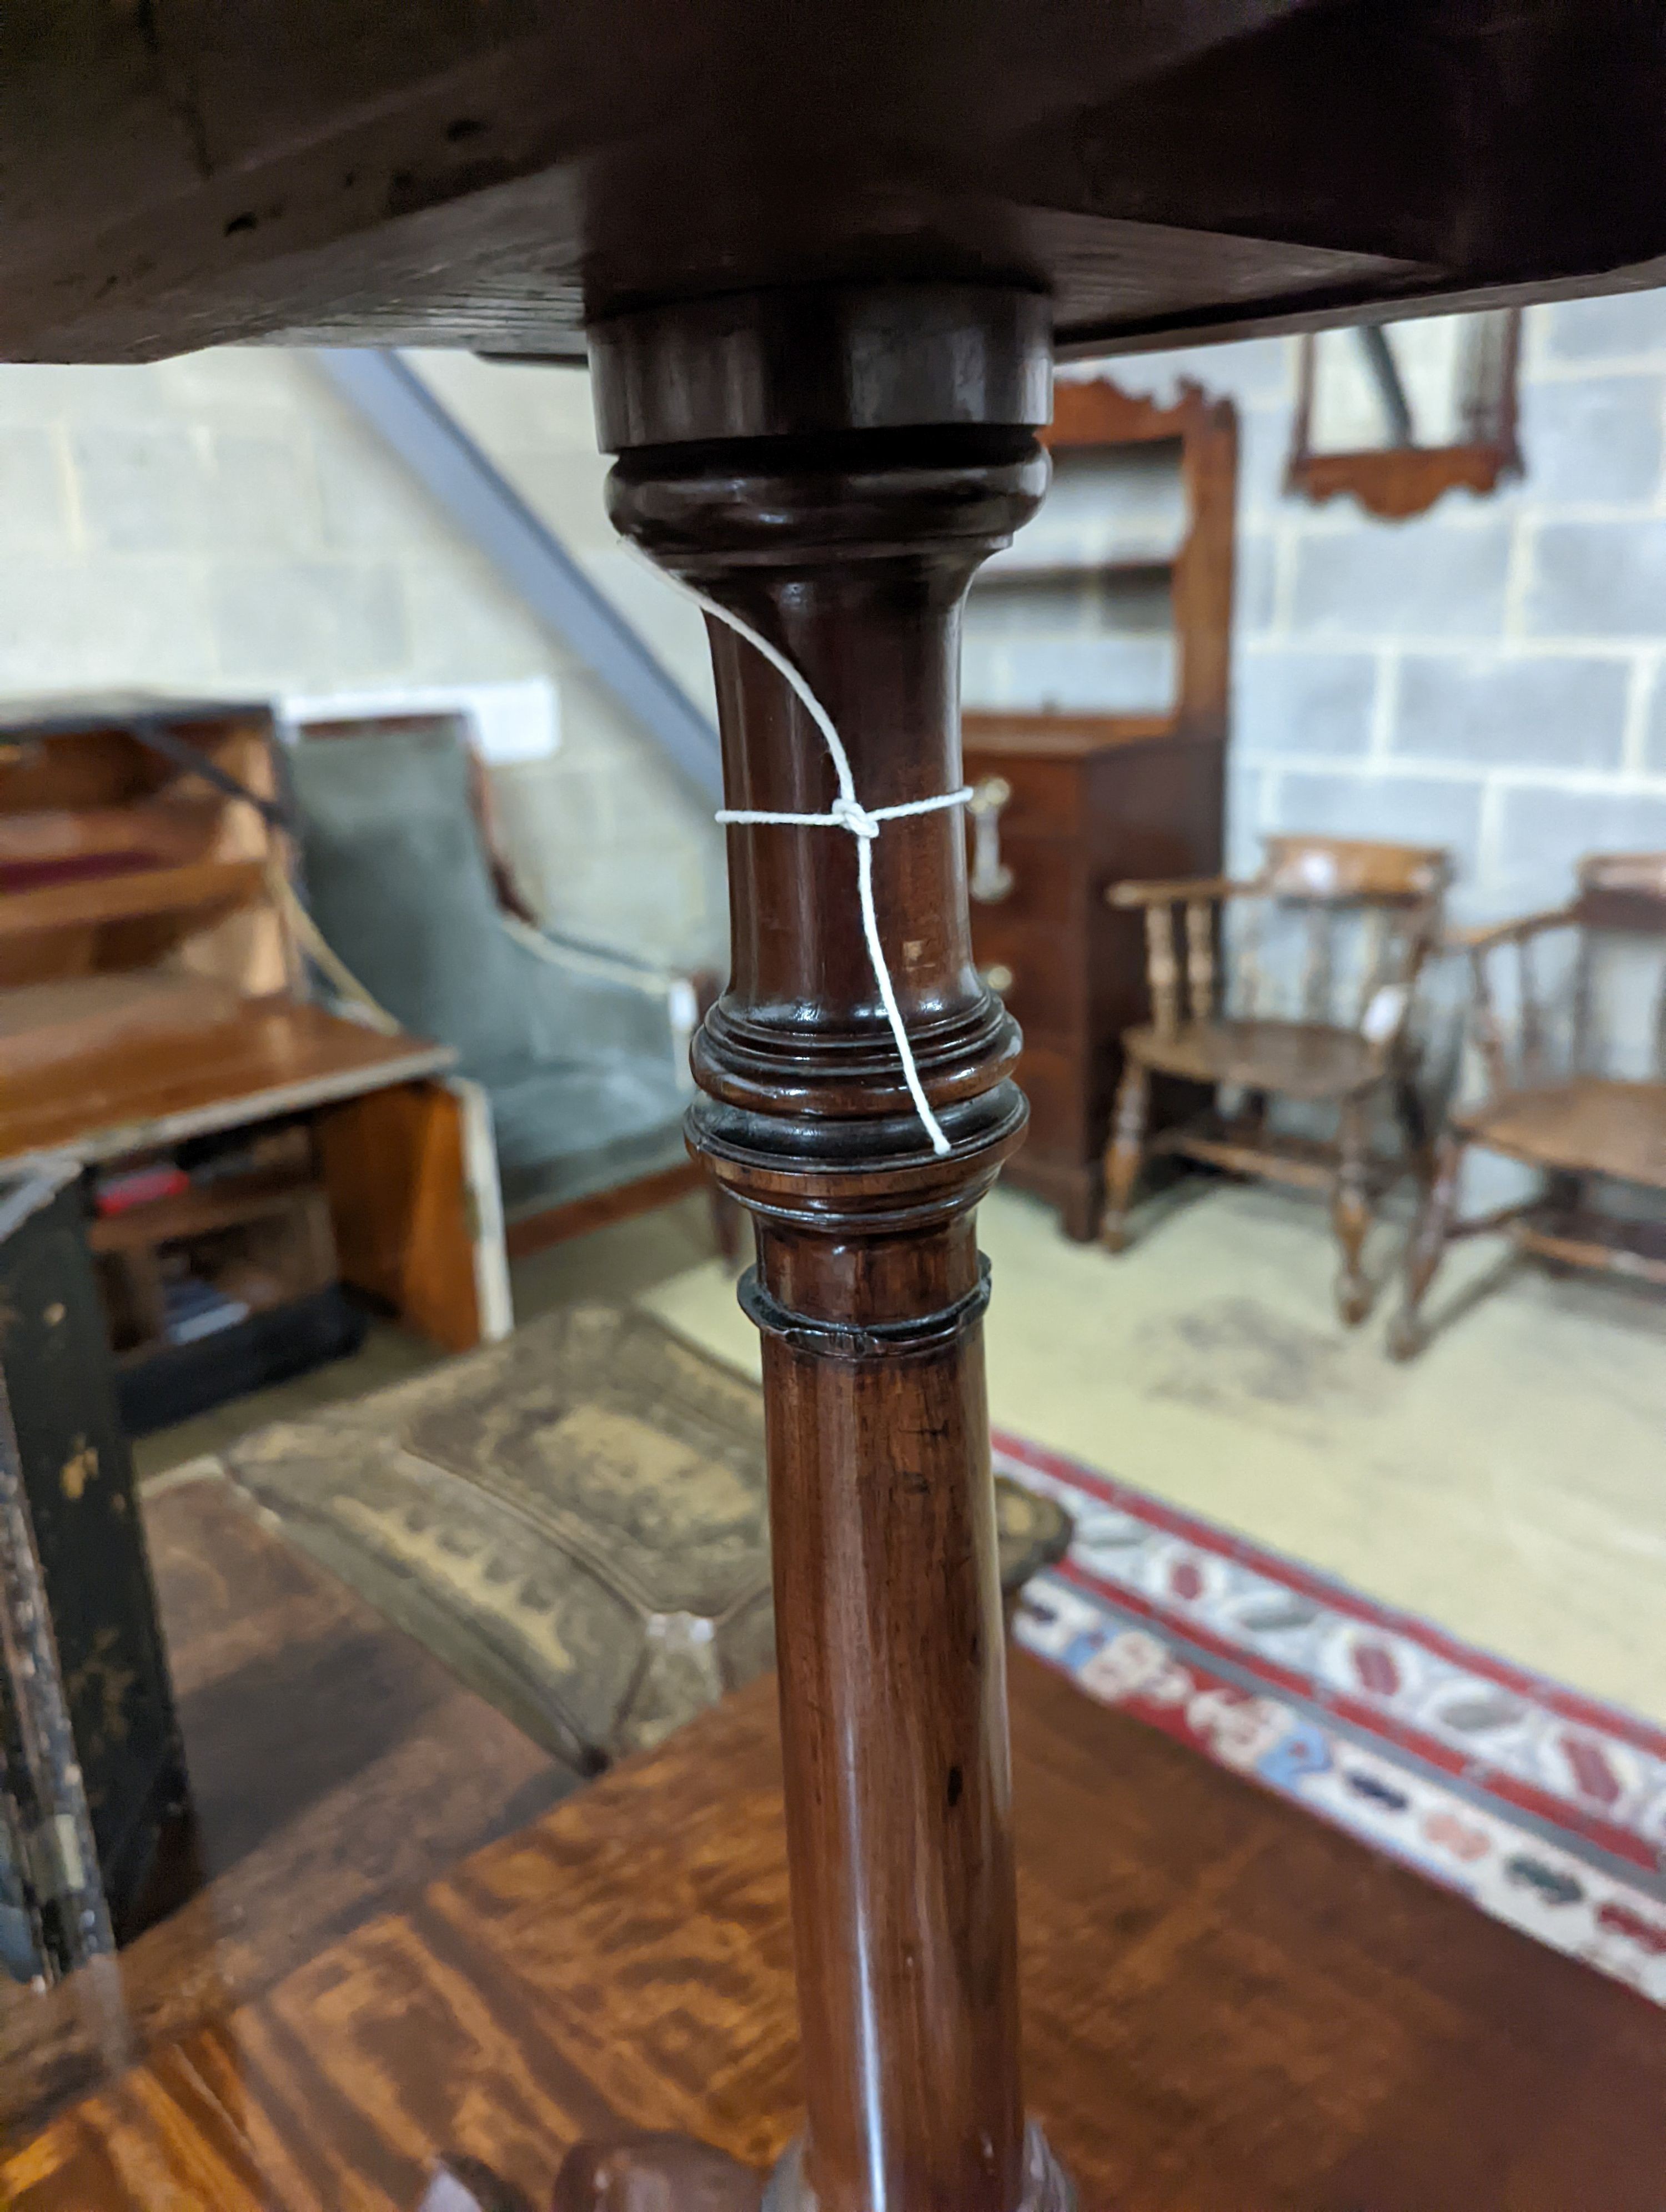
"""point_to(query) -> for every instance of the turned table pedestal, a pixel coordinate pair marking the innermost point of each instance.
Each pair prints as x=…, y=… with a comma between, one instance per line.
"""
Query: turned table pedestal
x=821, y=265
x=831, y=474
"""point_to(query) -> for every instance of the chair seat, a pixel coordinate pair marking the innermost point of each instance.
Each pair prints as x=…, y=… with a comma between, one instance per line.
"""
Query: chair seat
x=1299, y=1060
x=566, y=1130
x=1587, y=1124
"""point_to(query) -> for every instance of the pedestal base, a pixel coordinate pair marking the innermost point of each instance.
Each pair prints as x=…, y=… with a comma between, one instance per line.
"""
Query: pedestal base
x=1047, y=2187
x=674, y=2174
x=654, y=2174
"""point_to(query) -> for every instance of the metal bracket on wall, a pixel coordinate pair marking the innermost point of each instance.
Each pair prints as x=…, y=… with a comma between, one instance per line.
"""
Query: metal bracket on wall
x=437, y=450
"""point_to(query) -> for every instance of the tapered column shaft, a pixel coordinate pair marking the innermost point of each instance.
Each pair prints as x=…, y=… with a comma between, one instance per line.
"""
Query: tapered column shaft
x=849, y=543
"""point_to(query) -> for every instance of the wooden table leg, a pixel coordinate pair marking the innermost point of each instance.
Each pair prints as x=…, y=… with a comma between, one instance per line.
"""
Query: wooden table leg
x=832, y=468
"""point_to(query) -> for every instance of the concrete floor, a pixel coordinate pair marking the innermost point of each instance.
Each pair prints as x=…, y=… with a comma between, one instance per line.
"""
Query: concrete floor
x=1511, y=1483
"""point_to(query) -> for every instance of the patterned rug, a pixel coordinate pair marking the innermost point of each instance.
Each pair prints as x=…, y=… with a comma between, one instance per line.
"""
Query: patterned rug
x=1544, y=1808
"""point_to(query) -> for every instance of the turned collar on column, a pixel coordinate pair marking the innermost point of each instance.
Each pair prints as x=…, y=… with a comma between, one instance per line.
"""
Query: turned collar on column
x=812, y=361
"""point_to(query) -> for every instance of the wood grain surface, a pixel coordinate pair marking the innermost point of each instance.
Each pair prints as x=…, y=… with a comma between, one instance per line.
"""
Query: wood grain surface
x=206, y=885
x=394, y=1164
x=176, y=1062
x=494, y=174
x=1586, y=1125
x=336, y=1767
x=1228, y=2008
x=850, y=556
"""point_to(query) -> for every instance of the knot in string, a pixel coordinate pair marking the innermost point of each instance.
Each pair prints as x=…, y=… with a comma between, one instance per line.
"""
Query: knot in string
x=850, y=814
x=847, y=812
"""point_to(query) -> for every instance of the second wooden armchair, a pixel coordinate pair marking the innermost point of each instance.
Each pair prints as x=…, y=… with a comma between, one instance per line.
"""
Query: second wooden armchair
x=1345, y=1047
x=1566, y=1105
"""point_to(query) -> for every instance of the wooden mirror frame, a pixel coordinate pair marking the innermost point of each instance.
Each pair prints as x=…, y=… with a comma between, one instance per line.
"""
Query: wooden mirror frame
x=1394, y=482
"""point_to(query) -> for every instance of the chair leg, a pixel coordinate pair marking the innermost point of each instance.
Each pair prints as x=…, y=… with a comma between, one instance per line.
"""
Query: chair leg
x=1427, y=1246
x=1124, y=1153
x=1413, y=1119
x=1350, y=1211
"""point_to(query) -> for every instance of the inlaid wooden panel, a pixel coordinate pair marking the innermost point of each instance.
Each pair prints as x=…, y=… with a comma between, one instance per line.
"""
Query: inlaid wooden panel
x=1228, y=2009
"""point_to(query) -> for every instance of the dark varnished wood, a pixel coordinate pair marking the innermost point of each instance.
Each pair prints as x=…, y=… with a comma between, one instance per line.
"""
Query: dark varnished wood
x=1346, y=1060
x=852, y=555
x=89, y=1753
x=334, y=1766
x=1394, y=482
x=1229, y=2008
x=495, y=174
x=1574, y=1121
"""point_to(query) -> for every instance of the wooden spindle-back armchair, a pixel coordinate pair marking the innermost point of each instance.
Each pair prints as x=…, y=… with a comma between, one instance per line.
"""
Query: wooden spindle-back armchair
x=1557, y=1103
x=1343, y=1045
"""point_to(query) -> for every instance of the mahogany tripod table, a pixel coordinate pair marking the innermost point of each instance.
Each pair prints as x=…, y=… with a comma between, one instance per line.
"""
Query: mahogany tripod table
x=821, y=260
x=1228, y=2009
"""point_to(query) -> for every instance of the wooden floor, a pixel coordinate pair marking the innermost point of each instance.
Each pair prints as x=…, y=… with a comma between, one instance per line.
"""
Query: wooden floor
x=336, y=1769
x=1229, y=2009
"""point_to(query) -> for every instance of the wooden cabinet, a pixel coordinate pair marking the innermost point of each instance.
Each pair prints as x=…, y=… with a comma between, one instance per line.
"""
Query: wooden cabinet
x=92, y=1783
x=1067, y=805
x=250, y=1155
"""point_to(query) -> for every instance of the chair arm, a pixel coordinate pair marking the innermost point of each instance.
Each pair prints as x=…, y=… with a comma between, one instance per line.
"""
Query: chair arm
x=1171, y=894
x=1492, y=934
x=685, y=996
x=1482, y=1023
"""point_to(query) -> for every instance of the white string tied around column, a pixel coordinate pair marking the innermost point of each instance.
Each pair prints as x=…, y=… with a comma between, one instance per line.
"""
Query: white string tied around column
x=863, y=823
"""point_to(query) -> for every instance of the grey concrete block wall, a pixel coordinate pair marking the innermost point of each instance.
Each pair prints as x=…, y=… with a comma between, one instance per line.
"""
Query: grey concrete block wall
x=1319, y=697
x=225, y=523
x=1599, y=578
x=1501, y=710
x=1400, y=581
x=1653, y=760
x=1629, y=326
x=34, y=491
x=1492, y=674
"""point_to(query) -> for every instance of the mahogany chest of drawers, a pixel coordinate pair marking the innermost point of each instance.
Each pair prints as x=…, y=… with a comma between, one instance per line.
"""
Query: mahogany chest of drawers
x=1066, y=804
x=1087, y=802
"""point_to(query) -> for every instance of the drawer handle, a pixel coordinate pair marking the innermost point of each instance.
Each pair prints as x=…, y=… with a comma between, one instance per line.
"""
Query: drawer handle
x=1000, y=978
x=992, y=879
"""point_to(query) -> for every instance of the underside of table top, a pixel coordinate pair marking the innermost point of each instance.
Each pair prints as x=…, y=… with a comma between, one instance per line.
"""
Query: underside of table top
x=494, y=175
